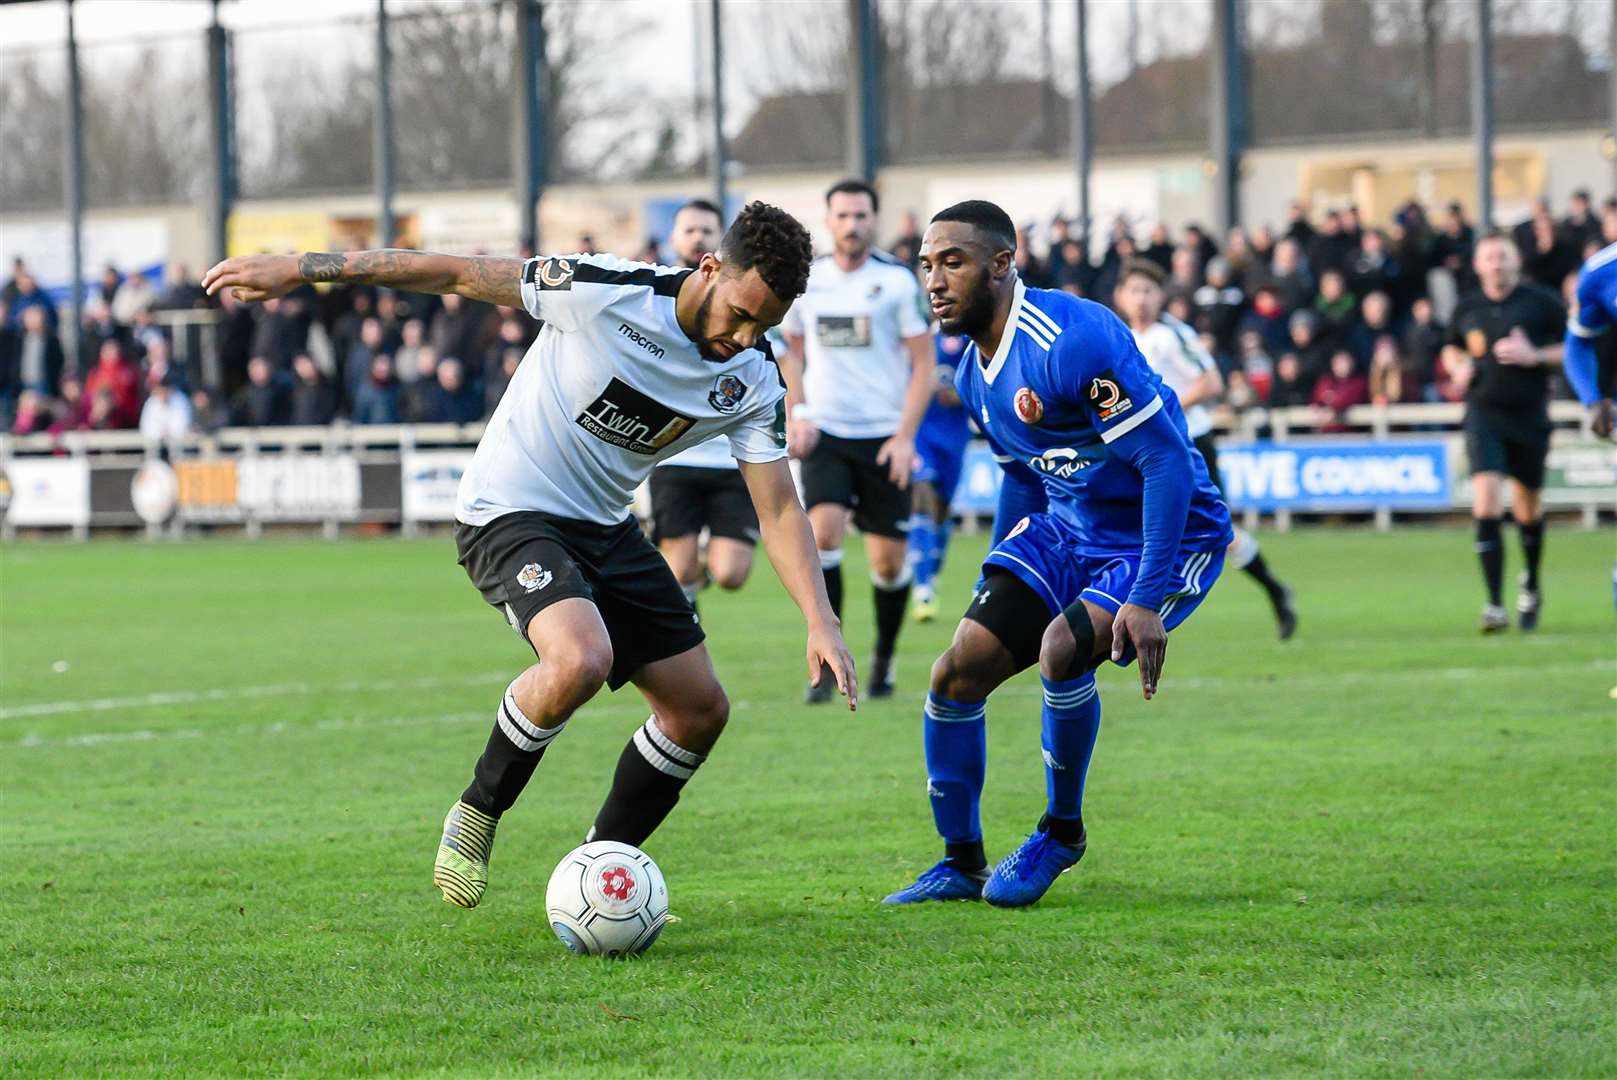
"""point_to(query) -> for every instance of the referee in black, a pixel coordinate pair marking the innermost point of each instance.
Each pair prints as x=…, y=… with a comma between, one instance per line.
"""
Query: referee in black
x=1504, y=345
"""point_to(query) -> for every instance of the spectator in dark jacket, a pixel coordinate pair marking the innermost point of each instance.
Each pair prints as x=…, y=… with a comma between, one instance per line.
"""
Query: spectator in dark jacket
x=208, y=414
x=39, y=353
x=356, y=366
x=1290, y=386
x=1370, y=268
x=1290, y=277
x=1222, y=303
x=1159, y=247
x=1548, y=258
x=1335, y=306
x=1423, y=343
x=377, y=400
x=282, y=332
x=29, y=295
x=1581, y=226
x=1374, y=323
x=452, y=401
x=1313, y=351
x=264, y=401
x=314, y=402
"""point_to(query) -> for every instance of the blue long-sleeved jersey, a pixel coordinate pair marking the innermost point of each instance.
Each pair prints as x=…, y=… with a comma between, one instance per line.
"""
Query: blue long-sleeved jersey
x=1069, y=400
x=1597, y=310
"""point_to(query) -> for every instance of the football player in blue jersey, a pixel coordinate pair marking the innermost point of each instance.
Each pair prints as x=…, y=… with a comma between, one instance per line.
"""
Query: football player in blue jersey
x=1109, y=534
x=940, y=449
x=1597, y=312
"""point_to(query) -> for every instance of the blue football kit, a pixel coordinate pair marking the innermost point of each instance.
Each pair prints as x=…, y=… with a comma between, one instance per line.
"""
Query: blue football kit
x=1597, y=311
x=940, y=451
x=1106, y=500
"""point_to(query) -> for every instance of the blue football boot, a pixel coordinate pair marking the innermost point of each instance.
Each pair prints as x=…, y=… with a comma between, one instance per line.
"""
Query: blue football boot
x=941, y=882
x=1028, y=872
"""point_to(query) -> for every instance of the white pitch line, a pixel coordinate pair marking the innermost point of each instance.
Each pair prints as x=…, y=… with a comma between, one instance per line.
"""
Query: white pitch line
x=191, y=697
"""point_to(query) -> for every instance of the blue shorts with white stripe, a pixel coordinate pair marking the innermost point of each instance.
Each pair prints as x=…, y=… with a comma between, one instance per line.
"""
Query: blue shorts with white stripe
x=1042, y=551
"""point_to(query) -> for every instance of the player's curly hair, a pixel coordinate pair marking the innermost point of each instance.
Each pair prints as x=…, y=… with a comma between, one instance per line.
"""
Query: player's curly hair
x=775, y=242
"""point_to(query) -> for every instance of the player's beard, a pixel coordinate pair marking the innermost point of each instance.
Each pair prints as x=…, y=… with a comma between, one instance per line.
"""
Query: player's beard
x=976, y=311
x=704, y=343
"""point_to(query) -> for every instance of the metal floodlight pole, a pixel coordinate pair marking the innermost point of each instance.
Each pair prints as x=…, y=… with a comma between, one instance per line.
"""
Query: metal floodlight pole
x=717, y=149
x=74, y=179
x=382, y=146
x=531, y=150
x=1083, y=147
x=1228, y=112
x=1482, y=119
x=219, y=110
x=864, y=93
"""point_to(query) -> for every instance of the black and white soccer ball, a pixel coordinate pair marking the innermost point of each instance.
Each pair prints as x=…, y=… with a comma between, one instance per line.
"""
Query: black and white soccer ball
x=607, y=899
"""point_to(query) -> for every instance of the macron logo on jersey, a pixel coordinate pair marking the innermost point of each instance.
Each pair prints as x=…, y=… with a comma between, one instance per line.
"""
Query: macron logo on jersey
x=641, y=340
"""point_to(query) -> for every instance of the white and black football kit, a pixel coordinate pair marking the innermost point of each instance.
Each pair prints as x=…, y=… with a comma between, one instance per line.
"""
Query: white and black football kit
x=1174, y=352
x=611, y=386
x=856, y=373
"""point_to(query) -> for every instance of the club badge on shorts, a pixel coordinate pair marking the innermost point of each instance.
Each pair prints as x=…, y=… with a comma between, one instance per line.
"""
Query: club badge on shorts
x=533, y=577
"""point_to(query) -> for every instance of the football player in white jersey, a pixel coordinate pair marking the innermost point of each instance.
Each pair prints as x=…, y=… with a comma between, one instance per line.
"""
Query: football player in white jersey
x=859, y=375
x=701, y=488
x=1174, y=352
x=634, y=363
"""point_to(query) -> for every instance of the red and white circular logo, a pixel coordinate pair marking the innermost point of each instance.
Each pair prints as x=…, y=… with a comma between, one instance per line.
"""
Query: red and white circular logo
x=1029, y=409
x=617, y=882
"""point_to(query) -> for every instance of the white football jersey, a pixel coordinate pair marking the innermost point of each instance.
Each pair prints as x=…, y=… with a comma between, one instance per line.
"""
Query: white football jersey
x=1175, y=353
x=611, y=386
x=856, y=369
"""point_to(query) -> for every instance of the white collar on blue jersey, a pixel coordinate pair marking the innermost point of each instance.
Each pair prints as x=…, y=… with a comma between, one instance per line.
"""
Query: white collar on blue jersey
x=1008, y=337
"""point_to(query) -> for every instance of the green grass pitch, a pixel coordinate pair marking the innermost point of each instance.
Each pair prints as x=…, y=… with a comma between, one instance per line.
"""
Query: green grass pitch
x=1387, y=848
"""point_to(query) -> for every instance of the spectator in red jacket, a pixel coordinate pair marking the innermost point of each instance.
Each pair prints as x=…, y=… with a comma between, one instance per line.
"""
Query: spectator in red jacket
x=1338, y=390
x=118, y=377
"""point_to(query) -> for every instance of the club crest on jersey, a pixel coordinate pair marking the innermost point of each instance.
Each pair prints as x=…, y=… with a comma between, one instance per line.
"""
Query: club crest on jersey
x=554, y=274
x=727, y=393
x=1108, y=397
x=1029, y=409
x=533, y=577
x=875, y=291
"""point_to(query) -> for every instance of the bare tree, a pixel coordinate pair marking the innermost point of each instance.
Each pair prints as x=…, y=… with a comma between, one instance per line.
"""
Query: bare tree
x=33, y=110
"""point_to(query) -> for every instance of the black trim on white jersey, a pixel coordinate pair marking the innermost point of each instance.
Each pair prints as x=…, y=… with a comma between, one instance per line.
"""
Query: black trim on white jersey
x=663, y=284
x=887, y=257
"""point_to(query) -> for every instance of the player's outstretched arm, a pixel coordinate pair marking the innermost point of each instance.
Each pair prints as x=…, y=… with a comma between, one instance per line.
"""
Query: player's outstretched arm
x=494, y=280
x=789, y=540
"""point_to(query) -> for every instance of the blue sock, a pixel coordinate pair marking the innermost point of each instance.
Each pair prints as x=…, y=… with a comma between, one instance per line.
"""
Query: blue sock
x=940, y=545
x=1071, y=722
x=922, y=542
x=956, y=740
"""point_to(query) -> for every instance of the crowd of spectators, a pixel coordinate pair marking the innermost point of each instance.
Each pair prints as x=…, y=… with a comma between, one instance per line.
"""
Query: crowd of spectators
x=1328, y=312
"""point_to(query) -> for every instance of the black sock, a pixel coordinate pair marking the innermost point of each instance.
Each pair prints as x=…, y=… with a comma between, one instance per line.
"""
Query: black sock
x=1260, y=573
x=833, y=586
x=514, y=748
x=967, y=857
x=1069, y=831
x=891, y=603
x=1532, y=550
x=1491, y=553
x=652, y=771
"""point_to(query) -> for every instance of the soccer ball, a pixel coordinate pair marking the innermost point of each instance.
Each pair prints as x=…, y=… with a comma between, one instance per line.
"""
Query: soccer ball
x=607, y=899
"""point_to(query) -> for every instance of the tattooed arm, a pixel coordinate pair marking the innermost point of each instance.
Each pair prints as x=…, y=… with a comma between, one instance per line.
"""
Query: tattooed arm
x=263, y=277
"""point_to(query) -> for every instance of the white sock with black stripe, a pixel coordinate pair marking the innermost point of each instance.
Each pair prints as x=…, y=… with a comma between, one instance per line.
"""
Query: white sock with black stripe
x=514, y=748
x=652, y=770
